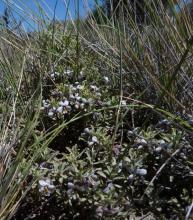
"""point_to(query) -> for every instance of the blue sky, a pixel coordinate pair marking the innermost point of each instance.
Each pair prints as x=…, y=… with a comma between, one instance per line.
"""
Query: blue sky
x=27, y=10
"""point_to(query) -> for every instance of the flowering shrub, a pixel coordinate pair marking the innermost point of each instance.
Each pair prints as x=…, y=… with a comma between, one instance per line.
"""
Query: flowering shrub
x=107, y=132
x=144, y=173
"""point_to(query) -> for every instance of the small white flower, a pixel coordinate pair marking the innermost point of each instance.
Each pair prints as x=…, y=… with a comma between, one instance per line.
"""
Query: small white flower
x=95, y=88
x=191, y=173
x=68, y=108
x=76, y=106
x=123, y=103
x=73, y=89
x=78, y=98
x=120, y=166
x=82, y=106
x=140, y=141
x=98, y=94
x=164, y=122
x=68, y=72
x=161, y=142
x=46, y=104
x=84, y=100
x=99, y=211
x=94, y=139
x=52, y=75
x=45, y=166
x=92, y=87
x=106, y=79
x=71, y=96
x=79, y=87
x=158, y=149
x=130, y=133
x=190, y=121
x=50, y=114
x=61, y=103
x=143, y=141
x=90, y=143
x=131, y=176
x=140, y=147
x=70, y=185
x=43, y=183
x=51, y=187
x=64, y=104
x=141, y=172
x=60, y=109
x=87, y=131
x=46, y=187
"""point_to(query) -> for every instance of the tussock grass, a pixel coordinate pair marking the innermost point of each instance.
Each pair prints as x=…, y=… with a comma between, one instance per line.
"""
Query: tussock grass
x=155, y=58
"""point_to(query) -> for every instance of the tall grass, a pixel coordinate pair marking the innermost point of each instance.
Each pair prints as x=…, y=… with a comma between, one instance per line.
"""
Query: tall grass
x=17, y=126
x=21, y=98
x=156, y=56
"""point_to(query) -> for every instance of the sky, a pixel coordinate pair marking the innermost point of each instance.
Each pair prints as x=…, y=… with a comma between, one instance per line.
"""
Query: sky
x=27, y=10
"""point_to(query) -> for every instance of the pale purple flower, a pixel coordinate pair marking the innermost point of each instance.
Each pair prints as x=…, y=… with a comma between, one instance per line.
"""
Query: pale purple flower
x=94, y=139
x=46, y=187
x=60, y=109
x=141, y=172
x=64, y=104
x=50, y=114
